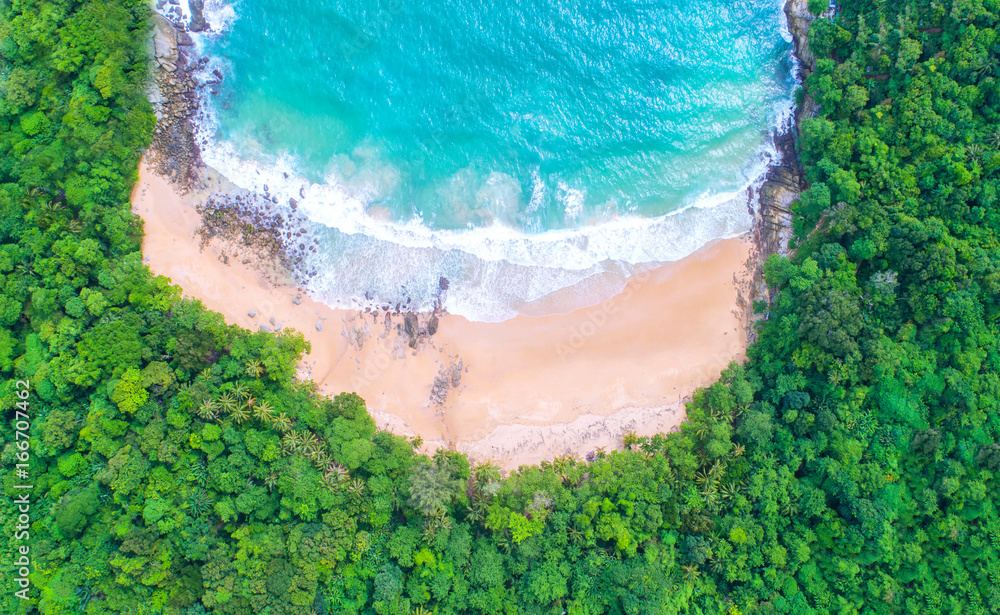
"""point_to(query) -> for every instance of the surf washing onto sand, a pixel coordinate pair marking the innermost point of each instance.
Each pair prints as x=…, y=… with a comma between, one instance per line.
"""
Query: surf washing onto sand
x=522, y=151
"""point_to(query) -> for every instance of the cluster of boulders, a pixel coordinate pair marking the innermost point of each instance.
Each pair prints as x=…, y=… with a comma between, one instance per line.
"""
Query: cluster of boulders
x=449, y=377
x=249, y=220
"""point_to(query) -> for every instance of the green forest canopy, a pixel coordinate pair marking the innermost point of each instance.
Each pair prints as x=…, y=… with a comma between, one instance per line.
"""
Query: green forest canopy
x=849, y=466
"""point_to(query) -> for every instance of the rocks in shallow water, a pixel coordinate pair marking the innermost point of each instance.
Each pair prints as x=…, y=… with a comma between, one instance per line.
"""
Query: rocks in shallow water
x=443, y=283
x=198, y=23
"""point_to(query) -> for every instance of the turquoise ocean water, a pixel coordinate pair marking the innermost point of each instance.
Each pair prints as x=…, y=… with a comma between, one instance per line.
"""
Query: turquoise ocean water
x=516, y=148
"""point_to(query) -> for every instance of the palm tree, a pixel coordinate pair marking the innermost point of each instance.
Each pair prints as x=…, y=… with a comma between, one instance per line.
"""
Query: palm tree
x=789, y=509
x=878, y=42
x=729, y=492
x=271, y=480
x=200, y=503
x=704, y=478
x=312, y=446
x=711, y=497
x=226, y=402
x=433, y=487
x=208, y=410
x=263, y=412
x=984, y=66
x=198, y=472
x=331, y=483
x=717, y=470
x=254, y=368
x=290, y=443
x=323, y=460
x=477, y=513
x=337, y=472
x=995, y=139
x=357, y=486
x=241, y=391
x=241, y=413
x=485, y=472
x=630, y=439
x=281, y=422
x=562, y=465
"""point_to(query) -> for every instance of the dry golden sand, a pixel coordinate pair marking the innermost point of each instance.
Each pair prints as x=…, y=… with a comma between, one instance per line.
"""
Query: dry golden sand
x=531, y=388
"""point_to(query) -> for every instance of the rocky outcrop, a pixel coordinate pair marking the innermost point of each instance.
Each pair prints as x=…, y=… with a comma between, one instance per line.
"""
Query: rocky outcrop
x=448, y=377
x=197, y=23
x=165, y=44
x=784, y=182
x=799, y=20
x=173, y=93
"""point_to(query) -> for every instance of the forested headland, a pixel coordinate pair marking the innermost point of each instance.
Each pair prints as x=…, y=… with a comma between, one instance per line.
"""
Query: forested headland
x=849, y=466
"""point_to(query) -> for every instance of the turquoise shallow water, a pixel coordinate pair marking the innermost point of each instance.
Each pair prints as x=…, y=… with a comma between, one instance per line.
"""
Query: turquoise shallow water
x=516, y=148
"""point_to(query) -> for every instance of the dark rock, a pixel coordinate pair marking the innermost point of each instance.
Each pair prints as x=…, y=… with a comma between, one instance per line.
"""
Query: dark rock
x=410, y=324
x=293, y=203
x=432, y=325
x=443, y=283
x=198, y=23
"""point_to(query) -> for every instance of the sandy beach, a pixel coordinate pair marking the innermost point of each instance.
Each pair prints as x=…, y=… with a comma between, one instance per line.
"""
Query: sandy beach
x=516, y=392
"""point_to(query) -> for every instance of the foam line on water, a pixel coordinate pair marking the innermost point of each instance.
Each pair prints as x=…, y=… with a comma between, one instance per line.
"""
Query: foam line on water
x=493, y=269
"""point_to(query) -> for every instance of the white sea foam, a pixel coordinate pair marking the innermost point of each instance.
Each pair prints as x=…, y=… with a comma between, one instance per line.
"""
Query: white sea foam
x=218, y=14
x=493, y=268
x=571, y=201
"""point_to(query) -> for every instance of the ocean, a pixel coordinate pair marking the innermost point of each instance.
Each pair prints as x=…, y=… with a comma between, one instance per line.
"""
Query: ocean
x=517, y=149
